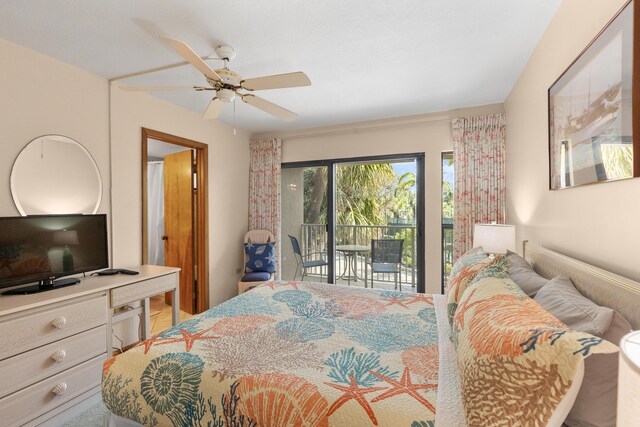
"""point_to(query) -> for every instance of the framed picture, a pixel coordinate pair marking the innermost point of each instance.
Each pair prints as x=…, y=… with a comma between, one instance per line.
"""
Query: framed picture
x=593, y=106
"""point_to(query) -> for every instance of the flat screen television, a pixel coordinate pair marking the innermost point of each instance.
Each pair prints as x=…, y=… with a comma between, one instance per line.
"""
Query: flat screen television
x=41, y=249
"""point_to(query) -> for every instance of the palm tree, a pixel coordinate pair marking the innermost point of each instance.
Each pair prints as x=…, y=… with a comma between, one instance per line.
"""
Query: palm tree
x=363, y=193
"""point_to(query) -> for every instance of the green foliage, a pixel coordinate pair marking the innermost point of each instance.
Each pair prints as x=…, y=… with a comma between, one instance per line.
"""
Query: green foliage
x=403, y=204
x=447, y=201
x=366, y=194
x=315, y=195
x=405, y=234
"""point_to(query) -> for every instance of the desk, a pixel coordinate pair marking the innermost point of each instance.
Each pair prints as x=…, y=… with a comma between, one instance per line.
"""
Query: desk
x=350, y=252
x=53, y=344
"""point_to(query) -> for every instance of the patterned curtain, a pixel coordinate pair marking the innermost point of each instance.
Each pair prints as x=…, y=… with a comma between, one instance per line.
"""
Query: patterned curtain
x=479, y=159
x=264, y=190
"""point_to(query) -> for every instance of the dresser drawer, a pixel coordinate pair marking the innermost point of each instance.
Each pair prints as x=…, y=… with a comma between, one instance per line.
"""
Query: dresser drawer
x=33, y=401
x=42, y=326
x=27, y=368
x=140, y=290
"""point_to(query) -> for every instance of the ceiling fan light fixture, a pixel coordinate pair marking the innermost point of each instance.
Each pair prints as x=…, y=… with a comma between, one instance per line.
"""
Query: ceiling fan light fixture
x=226, y=95
x=227, y=84
x=226, y=52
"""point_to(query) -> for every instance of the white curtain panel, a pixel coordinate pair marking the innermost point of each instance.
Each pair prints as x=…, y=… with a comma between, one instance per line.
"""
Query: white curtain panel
x=155, y=212
x=264, y=189
x=479, y=163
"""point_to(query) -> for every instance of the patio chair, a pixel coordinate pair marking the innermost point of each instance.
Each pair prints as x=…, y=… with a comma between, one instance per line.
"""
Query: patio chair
x=386, y=257
x=251, y=280
x=300, y=260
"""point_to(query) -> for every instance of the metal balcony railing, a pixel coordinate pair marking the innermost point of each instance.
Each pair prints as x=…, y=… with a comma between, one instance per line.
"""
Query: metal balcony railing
x=314, y=240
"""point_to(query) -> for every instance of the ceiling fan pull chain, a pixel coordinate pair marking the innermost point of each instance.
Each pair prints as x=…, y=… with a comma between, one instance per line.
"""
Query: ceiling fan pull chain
x=234, y=117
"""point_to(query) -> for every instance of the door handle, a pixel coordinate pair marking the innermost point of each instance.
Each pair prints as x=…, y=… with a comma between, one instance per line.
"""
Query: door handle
x=165, y=237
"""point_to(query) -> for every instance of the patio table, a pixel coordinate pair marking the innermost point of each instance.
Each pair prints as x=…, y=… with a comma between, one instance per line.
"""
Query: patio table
x=350, y=253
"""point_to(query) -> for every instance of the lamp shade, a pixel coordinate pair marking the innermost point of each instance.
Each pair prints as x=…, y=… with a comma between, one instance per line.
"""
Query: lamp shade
x=65, y=238
x=495, y=238
x=629, y=381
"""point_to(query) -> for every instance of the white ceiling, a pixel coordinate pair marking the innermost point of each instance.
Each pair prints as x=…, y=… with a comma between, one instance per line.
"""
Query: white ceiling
x=158, y=149
x=367, y=59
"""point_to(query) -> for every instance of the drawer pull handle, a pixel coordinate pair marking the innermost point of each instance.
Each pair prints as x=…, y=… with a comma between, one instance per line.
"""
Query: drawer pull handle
x=59, y=389
x=59, y=355
x=59, y=322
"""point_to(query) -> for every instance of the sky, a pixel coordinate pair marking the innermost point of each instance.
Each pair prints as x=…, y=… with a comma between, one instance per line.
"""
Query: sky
x=404, y=167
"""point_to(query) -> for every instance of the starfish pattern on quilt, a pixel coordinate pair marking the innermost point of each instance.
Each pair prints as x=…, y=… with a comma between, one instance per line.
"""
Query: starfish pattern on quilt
x=427, y=299
x=274, y=285
x=149, y=343
x=404, y=386
x=188, y=338
x=354, y=391
x=395, y=300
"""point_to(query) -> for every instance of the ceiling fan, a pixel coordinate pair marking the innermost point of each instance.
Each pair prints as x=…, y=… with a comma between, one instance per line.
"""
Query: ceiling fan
x=228, y=84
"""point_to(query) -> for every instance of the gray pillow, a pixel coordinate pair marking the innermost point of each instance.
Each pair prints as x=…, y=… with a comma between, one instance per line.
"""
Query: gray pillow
x=597, y=399
x=560, y=298
x=521, y=272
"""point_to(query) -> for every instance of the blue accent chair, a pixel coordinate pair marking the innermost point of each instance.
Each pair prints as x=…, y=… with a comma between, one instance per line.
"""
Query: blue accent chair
x=253, y=279
x=303, y=262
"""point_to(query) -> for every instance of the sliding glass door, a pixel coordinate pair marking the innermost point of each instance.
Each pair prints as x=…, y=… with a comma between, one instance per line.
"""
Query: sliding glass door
x=376, y=209
x=357, y=222
x=304, y=223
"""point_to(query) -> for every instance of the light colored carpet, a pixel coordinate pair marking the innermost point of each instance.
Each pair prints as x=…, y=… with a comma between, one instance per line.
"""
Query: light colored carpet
x=92, y=417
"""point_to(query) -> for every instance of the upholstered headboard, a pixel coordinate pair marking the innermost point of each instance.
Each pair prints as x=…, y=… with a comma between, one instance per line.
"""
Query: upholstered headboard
x=600, y=286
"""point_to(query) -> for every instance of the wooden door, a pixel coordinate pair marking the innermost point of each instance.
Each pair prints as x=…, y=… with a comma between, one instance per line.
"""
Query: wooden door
x=178, y=223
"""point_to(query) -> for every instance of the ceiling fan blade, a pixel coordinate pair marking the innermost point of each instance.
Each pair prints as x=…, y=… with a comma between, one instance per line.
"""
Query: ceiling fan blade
x=191, y=57
x=154, y=88
x=269, y=107
x=213, y=109
x=277, y=81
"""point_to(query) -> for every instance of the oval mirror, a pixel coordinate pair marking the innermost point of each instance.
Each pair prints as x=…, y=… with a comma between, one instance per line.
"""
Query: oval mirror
x=54, y=174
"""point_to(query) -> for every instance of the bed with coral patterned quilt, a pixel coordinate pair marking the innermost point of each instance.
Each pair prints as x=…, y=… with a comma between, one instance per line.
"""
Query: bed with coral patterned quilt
x=287, y=354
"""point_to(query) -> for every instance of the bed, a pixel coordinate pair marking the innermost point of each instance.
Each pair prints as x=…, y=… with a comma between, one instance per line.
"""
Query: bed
x=309, y=354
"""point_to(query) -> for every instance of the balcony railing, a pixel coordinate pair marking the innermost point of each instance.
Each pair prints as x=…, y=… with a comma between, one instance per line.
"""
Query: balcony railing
x=314, y=241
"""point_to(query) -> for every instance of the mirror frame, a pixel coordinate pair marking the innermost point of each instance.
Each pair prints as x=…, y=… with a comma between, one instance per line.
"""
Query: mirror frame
x=13, y=182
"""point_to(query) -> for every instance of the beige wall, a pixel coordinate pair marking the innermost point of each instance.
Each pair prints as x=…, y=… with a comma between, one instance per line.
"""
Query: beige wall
x=228, y=182
x=596, y=223
x=41, y=95
x=429, y=133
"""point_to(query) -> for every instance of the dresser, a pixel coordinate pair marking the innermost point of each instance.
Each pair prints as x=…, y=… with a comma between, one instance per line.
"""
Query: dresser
x=53, y=344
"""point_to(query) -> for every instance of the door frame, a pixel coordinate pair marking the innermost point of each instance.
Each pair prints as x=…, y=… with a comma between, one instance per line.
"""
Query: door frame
x=331, y=164
x=201, y=238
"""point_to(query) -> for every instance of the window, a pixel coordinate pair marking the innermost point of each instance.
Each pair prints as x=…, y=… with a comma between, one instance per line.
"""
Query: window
x=447, y=215
x=336, y=208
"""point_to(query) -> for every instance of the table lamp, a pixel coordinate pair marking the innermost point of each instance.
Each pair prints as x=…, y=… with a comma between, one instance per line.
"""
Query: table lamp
x=495, y=238
x=629, y=381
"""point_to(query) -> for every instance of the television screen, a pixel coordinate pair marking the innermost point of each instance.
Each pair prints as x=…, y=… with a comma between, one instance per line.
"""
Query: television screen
x=35, y=248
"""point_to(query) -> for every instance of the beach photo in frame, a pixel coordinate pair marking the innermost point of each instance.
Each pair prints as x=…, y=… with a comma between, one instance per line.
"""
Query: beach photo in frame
x=591, y=109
